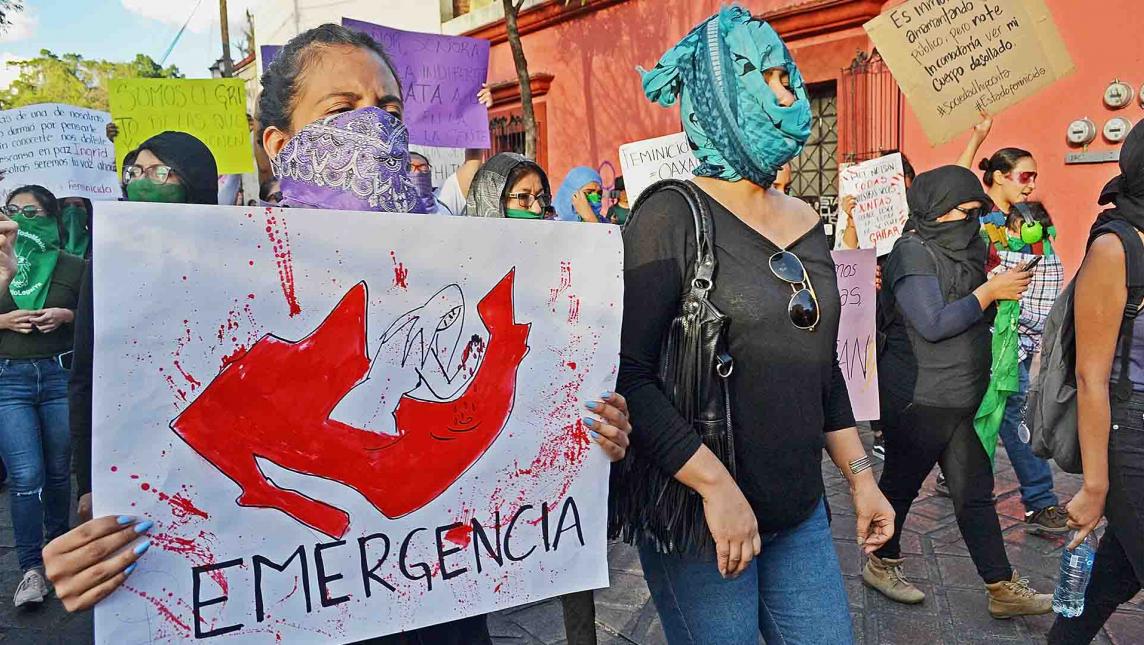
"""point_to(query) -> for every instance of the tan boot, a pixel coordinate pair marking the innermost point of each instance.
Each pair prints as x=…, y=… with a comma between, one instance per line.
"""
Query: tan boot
x=885, y=575
x=1014, y=597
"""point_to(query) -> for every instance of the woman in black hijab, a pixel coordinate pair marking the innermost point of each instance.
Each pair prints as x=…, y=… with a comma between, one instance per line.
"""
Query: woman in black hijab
x=1111, y=431
x=934, y=369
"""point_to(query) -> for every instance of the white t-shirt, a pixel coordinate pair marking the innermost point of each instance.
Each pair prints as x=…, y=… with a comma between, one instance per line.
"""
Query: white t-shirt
x=450, y=196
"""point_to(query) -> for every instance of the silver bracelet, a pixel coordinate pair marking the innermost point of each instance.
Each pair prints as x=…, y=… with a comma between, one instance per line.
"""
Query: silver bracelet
x=860, y=464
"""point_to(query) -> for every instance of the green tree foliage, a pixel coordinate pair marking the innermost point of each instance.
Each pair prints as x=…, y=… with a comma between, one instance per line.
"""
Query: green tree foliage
x=75, y=80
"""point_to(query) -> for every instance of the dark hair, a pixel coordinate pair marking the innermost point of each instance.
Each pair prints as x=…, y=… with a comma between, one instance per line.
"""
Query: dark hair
x=519, y=172
x=42, y=195
x=908, y=171
x=1038, y=211
x=619, y=183
x=1004, y=160
x=280, y=81
x=191, y=160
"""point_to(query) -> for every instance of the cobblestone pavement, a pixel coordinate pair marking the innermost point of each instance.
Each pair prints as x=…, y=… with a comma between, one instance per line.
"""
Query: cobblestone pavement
x=954, y=612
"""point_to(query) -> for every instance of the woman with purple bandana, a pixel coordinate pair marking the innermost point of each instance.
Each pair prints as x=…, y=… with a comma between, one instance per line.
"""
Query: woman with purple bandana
x=331, y=105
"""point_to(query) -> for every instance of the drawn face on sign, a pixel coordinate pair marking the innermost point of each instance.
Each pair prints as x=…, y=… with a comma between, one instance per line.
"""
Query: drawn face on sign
x=239, y=414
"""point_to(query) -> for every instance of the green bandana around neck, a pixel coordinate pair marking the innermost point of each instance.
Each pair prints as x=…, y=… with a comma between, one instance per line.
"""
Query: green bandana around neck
x=37, y=251
x=145, y=190
x=522, y=213
x=75, y=224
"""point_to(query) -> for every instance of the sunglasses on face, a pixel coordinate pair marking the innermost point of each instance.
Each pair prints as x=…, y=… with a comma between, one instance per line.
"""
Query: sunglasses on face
x=27, y=211
x=973, y=213
x=158, y=173
x=526, y=200
x=803, y=307
x=1024, y=178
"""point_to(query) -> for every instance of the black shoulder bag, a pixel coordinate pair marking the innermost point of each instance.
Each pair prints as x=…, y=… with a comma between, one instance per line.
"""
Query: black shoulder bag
x=646, y=503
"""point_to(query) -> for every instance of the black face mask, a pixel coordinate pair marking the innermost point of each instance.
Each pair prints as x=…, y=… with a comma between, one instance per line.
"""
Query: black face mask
x=958, y=235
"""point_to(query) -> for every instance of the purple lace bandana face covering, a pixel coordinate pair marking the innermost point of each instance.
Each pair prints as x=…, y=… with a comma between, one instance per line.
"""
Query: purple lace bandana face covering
x=357, y=161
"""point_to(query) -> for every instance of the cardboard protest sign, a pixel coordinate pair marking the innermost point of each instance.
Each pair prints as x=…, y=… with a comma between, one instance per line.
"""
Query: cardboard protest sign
x=645, y=162
x=955, y=58
x=880, y=209
x=857, y=342
x=440, y=77
x=212, y=109
x=60, y=147
x=348, y=424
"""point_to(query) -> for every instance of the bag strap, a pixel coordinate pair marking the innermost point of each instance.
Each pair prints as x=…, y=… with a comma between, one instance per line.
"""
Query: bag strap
x=703, y=280
x=1134, y=269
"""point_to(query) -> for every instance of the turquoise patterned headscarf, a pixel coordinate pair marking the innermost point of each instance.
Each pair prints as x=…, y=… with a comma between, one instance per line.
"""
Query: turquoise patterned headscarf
x=732, y=118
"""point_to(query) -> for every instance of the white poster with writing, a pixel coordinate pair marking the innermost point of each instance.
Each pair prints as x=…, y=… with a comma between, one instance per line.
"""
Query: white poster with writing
x=344, y=424
x=857, y=341
x=645, y=162
x=60, y=147
x=880, y=211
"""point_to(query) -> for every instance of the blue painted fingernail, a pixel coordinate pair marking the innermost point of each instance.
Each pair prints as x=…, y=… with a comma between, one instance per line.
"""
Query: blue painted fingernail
x=130, y=568
x=595, y=435
x=143, y=527
x=606, y=395
x=591, y=405
x=142, y=548
x=589, y=421
x=124, y=519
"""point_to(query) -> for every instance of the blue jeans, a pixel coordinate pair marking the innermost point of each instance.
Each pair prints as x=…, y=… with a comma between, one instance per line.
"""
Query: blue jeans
x=791, y=593
x=35, y=443
x=1033, y=473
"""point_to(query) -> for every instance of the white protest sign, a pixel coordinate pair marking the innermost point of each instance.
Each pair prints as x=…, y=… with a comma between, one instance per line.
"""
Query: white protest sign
x=445, y=161
x=344, y=424
x=60, y=147
x=645, y=162
x=857, y=344
x=880, y=210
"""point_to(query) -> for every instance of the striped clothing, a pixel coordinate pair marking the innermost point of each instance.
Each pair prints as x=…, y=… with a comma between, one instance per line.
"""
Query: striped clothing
x=1048, y=280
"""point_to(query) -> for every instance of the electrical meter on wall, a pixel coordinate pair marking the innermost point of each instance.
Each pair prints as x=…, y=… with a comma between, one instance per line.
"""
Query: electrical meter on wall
x=1118, y=94
x=1082, y=132
x=1117, y=129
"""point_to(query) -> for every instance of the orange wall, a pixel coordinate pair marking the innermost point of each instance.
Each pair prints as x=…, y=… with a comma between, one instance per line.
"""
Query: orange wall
x=596, y=103
x=1105, y=45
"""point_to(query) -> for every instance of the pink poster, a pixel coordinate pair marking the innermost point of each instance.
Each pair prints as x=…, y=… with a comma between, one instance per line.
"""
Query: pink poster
x=857, y=342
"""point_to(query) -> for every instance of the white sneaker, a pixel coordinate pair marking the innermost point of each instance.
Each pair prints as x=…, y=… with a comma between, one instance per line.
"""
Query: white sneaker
x=33, y=588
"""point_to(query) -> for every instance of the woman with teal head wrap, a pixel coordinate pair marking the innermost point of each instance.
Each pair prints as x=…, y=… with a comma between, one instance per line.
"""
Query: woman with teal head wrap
x=757, y=470
x=737, y=126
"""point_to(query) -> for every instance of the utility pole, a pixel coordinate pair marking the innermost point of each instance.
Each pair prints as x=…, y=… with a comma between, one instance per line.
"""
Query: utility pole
x=227, y=65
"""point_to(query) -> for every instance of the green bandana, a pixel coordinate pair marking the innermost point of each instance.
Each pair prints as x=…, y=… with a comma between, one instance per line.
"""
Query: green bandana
x=37, y=251
x=145, y=190
x=75, y=224
x=522, y=213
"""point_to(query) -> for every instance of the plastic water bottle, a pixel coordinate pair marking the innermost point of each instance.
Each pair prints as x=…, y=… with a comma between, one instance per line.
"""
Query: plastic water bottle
x=1076, y=568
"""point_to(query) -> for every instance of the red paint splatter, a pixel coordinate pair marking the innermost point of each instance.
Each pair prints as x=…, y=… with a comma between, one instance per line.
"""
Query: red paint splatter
x=571, y=365
x=144, y=486
x=564, y=285
x=460, y=535
x=234, y=356
x=474, y=349
x=284, y=258
x=456, y=432
x=400, y=273
x=197, y=550
x=182, y=507
x=573, y=310
x=115, y=469
x=171, y=617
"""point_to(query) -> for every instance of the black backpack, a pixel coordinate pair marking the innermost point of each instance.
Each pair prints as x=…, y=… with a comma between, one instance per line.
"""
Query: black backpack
x=1051, y=410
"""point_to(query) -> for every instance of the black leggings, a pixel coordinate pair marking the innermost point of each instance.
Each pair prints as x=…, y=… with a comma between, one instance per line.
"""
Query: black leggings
x=1118, y=572
x=917, y=437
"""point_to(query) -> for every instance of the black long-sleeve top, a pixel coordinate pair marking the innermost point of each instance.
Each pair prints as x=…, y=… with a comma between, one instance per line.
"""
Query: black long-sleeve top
x=786, y=389
x=79, y=388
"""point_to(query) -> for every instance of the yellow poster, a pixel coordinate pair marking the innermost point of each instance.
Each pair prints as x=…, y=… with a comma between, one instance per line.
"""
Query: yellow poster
x=213, y=109
x=955, y=58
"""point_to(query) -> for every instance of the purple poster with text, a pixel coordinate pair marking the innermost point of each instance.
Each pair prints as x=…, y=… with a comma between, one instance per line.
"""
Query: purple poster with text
x=440, y=77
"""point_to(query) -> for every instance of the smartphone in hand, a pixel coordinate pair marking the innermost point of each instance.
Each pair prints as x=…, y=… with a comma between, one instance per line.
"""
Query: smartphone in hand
x=1032, y=264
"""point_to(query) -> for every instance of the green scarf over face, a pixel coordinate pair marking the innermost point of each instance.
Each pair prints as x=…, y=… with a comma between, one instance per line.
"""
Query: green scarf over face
x=37, y=251
x=75, y=224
